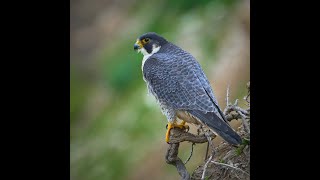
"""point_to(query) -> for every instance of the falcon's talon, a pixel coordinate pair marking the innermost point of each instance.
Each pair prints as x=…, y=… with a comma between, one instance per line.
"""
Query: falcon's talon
x=170, y=126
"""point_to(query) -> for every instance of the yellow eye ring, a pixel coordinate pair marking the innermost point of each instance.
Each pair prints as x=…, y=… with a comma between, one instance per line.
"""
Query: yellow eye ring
x=146, y=40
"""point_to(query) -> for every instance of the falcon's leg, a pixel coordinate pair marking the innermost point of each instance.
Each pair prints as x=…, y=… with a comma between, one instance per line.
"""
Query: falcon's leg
x=174, y=125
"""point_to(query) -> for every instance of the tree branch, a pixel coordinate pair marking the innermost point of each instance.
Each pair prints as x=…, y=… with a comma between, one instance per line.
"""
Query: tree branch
x=223, y=164
x=178, y=135
x=173, y=159
x=190, y=154
x=205, y=167
x=227, y=153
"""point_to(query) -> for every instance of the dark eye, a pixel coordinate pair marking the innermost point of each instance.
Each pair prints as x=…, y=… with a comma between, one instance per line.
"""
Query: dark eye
x=146, y=40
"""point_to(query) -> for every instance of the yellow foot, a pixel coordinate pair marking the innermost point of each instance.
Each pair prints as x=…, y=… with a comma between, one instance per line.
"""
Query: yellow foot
x=172, y=125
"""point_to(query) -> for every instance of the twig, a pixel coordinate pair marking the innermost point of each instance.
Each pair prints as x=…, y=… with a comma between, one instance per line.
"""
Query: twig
x=227, y=98
x=237, y=108
x=209, y=140
x=246, y=99
x=212, y=154
x=207, y=150
x=223, y=164
x=227, y=102
x=205, y=168
x=190, y=154
x=236, y=103
x=209, y=143
x=247, y=96
x=244, y=122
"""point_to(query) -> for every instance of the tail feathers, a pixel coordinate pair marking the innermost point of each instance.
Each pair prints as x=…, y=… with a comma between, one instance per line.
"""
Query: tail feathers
x=218, y=125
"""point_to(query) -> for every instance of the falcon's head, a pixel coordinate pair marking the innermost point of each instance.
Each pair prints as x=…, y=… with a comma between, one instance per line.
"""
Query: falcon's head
x=149, y=43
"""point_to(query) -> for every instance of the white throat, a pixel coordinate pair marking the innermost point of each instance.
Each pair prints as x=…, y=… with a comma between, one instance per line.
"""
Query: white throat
x=146, y=55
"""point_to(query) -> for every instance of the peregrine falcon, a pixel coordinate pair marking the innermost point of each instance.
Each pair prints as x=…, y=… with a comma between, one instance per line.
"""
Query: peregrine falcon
x=175, y=78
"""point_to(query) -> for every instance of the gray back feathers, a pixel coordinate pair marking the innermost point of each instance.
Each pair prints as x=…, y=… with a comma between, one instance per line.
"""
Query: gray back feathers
x=177, y=79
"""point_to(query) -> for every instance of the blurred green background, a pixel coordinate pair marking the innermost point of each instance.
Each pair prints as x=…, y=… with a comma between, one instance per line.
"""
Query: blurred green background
x=117, y=129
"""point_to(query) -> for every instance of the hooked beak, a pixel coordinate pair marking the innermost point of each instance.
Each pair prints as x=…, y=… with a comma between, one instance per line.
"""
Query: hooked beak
x=137, y=45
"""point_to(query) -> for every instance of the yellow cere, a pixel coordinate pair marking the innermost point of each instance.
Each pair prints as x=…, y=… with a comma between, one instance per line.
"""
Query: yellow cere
x=138, y=42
